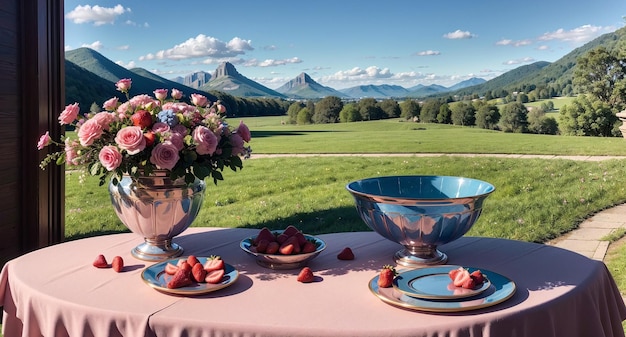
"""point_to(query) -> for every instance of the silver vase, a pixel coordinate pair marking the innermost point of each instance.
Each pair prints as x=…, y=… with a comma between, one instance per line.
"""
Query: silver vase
x=158, y=209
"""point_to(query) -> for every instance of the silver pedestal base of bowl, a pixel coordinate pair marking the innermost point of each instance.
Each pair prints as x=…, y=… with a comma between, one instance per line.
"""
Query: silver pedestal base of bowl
x=415, y=257
x=157, y=250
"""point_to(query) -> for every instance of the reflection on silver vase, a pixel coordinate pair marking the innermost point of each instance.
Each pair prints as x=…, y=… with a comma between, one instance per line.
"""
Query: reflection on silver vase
x=158, y=209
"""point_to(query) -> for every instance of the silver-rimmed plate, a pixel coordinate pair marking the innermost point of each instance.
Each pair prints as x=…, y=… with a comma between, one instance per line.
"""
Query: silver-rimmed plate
x=500, y=290
x=156, y=277
x=435, y=283
x=279, y=261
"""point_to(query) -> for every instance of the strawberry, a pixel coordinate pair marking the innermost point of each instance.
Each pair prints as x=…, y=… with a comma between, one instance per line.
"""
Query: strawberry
x=461, y=276
x=290, y=246
x=282, y=238
x=308, y=247
x=261, y=247
x=182, y=278
x=170, y=269
x=118, y=264
x=300, y=238
x=306, y=275
x=192, y=260
x=346, y=254
x=272, y=248
x=452, y=273
x=266, y=234
x=198, y=273
x=215, y=276
x=385, y=278
x=477, y=276
x=150, y=138
x=469, y=283
x=213, y=263
x=185, y=266
x=101, y=262
x=141, y=118
x=291, y=230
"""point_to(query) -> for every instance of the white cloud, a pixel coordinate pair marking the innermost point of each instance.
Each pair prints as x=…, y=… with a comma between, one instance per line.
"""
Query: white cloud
x=96, y=14
x=274, y=63
x=97, y=45
x=124, y=47
x=203, y=46
x=68, y=47
x=543, y=47
x=518, y=43
x=519, y=61
x=578, y=35
x=458, y=34
x=428, y=53
x=128, y=65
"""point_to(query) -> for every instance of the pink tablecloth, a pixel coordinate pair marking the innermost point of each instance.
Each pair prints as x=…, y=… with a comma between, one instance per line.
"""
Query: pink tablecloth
x=56, y=292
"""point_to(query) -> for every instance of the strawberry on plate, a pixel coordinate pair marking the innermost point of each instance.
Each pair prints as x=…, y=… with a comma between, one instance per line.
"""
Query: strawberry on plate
x=182, y=278
x=198, y=273
x=170, y=268
x=385, y=278
x=213, y=263
x=214, y=276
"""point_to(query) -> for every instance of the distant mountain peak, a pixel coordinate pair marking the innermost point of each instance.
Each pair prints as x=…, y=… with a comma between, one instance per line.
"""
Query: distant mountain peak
x=303, y=86
x=225, y=69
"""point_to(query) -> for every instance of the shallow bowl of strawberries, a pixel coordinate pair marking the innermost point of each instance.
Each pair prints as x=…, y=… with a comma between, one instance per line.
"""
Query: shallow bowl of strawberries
x=420, y=212
x=282, y=249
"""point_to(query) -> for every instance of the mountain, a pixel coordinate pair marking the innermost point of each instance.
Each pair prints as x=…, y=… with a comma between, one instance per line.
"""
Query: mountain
x=376, y=91
x=303, y=86
x=144, y=82
x=228, y=80
x=84, y=87
x=427, y=90
x=467, y=83
x=194, y=80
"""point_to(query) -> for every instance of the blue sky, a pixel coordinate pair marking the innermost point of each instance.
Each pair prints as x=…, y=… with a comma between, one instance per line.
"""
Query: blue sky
x=339, y=43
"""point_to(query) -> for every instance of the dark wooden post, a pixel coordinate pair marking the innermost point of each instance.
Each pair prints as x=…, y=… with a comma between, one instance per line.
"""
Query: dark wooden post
x=32, y=94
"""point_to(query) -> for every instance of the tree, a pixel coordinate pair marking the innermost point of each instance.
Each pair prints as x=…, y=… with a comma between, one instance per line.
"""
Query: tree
x=602, y=74
x=463, y=114
x=487, y=117
x=390, y=107
x=429, y=111
x=409, y=108
x=369, y=109
x=539, y=123
x=305, y=116
x=588, y=116
x=292, y=112
x=349, y=113
x=327, y=110
x=514, y=118
x=445, y=114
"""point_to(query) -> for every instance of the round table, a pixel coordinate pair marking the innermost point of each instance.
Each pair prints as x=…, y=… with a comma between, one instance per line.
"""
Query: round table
x=55, y=291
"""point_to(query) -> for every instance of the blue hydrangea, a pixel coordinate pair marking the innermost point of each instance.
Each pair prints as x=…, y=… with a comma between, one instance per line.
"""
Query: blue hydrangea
x=168, y=117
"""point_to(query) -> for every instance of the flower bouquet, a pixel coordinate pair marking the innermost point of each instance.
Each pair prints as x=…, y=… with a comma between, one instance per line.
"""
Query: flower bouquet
x=148, y=133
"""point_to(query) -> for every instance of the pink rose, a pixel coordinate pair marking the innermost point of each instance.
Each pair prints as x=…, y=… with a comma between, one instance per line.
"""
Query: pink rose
x=123, y=85
x=198, y=100
x=104, y=119
x=160, y=127
x=237, y=142
x=69, y=114
x=110, y=104
x=89, y=131
x=110, y=157
x=71, y=154
x=177, y=94
x=180, y=129
x=221, y=109
x=205, y=139
x=244, y=132
x=131, y=139
x=164, y=156
x=177, y=140
x=44, y=140
x=143, y=101
x=160, y=94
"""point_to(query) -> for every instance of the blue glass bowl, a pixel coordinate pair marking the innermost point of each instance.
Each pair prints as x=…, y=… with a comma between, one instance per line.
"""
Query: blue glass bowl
x=420, y=212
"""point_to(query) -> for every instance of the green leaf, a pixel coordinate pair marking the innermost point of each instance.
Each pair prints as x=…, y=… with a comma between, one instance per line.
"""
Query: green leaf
x=201, y=171
x=94, y=170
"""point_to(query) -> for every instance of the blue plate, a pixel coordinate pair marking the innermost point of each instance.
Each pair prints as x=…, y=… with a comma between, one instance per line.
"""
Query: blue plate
x=500, y=290
x=435, y=283
x=156, y=277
